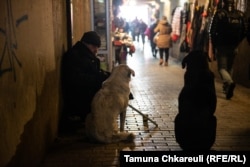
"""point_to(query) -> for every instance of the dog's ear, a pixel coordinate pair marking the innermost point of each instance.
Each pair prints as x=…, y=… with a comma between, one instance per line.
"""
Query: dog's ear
x=131, y=72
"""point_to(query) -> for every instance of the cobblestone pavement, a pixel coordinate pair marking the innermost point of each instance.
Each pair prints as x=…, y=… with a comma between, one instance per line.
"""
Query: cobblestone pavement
x=156, y=89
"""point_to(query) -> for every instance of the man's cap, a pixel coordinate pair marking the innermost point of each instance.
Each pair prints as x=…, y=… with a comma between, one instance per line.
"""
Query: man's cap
x=92, y=38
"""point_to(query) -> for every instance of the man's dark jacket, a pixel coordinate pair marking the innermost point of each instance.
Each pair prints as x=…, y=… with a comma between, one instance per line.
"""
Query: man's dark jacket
x=81, y=79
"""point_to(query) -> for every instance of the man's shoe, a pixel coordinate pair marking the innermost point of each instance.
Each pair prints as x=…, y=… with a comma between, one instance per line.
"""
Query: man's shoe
x=230, y=91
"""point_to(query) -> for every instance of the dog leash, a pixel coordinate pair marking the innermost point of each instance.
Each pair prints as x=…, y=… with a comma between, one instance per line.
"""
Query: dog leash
x=145, y=116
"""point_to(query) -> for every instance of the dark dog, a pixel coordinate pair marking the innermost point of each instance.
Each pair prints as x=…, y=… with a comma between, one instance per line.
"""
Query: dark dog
x=195, y=124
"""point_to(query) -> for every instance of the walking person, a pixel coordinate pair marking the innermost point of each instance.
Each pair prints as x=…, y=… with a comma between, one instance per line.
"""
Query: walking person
x=163, y=39
x=225, y=41
x=135, y=31
x=142, y=28
x=151, y=38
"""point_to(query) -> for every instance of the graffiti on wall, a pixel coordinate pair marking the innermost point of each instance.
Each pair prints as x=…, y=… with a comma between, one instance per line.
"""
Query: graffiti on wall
x=8, y=55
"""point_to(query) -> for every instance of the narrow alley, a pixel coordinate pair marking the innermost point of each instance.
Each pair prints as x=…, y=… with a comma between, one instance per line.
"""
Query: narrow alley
x=156, y=89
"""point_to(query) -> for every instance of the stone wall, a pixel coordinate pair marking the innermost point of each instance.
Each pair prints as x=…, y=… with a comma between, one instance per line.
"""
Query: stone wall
x=32, y=41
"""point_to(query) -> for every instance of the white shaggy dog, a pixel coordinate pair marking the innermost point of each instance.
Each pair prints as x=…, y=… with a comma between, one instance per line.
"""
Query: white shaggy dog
x=110, y=101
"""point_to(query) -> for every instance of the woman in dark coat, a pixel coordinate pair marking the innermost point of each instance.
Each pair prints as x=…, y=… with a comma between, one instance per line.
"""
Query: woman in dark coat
x=81, y=76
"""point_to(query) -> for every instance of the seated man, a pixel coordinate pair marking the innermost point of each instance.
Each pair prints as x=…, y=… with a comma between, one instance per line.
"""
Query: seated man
x=82, y=77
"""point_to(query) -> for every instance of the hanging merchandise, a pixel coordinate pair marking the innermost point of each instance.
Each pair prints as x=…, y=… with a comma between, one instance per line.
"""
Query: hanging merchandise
x=204, y=16
x=196, y=36
x=193, y=7
x=203, y=35
x=185, y=14
x=216, y=4
x=241, y=5
x=196, y=26
x=176, y=27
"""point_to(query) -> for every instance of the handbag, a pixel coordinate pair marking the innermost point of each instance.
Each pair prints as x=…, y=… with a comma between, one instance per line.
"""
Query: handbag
x=156, y=37
x=184, y=46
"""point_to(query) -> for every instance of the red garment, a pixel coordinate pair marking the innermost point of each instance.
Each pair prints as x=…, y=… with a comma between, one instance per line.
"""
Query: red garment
x=175, y=37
